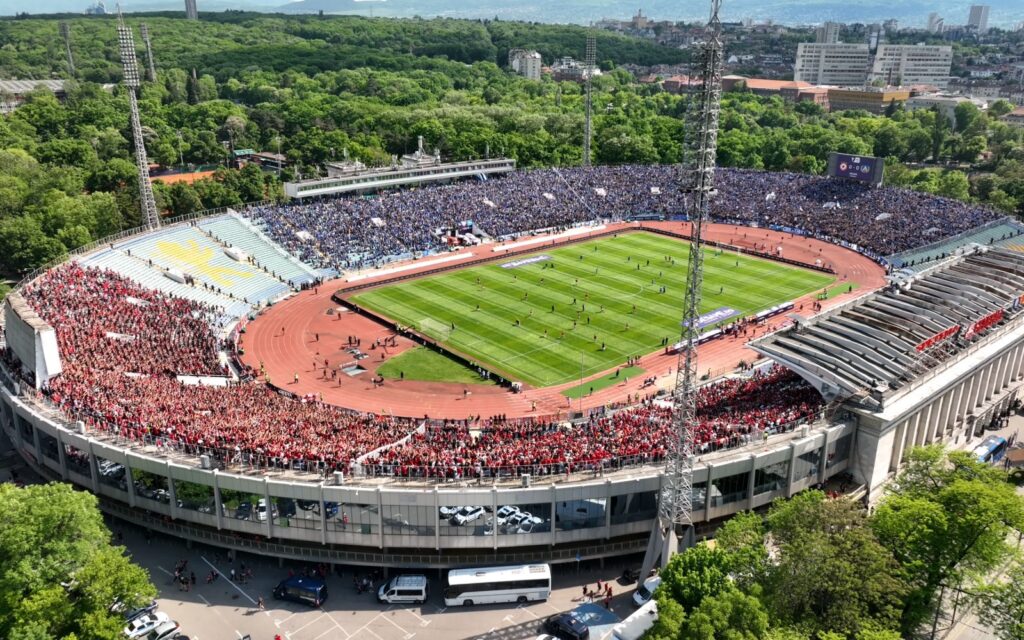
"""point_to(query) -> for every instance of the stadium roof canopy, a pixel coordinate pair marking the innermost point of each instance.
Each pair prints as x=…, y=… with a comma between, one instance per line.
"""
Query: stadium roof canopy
x=873, y=346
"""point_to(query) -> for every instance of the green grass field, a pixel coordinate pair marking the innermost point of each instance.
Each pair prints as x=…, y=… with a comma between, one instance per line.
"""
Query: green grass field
x=604, y=291
x=421, y=363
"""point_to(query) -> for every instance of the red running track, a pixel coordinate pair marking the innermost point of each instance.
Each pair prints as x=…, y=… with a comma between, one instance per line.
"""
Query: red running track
x=297, y=336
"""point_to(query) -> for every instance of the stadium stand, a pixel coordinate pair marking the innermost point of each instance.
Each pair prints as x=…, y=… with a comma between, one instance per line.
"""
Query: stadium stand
x=195, y=254
x=234, y=231
x=354, y=232
x=124, y=345
x=153, y=277
x=1003, y=232
x=874, y=346
x=733, y=412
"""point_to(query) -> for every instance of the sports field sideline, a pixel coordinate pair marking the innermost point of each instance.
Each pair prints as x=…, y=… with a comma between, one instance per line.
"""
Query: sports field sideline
x=538, y=321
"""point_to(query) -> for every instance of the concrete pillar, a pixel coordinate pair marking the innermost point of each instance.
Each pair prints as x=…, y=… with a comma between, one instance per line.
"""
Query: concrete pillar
x=707, y=492
x=94, y=471
x=323, y=516
x=172, y=494
x=268, y=524
x=939, y=435
x=218, y=504
x=792, y=470
x=380, y=517
x=129, y=480
x=437, y=519
x=925, y=427
x=554, y=511
x=62, y=455
x=750, y=481
x=607, y=513
x=899, y=446
x=874, y=453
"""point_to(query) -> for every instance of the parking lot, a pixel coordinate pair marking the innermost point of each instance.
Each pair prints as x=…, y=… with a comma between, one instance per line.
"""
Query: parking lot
x=229, y=610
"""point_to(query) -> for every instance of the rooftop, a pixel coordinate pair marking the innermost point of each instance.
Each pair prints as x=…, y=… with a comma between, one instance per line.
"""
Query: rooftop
x=875, y=345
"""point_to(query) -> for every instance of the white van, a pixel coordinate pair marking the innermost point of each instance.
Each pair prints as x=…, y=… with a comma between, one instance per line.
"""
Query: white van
x=404, y=590
x=645, y=591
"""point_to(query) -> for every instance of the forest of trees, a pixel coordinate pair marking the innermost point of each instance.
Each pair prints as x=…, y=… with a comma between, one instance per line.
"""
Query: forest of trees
x=817, y=568
x=316, y=87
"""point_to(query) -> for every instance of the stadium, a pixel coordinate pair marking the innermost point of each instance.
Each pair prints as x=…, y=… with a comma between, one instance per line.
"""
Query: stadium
x=368, y=379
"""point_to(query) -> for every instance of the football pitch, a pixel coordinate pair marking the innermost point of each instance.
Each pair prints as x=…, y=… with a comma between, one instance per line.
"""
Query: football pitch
x=543, y=317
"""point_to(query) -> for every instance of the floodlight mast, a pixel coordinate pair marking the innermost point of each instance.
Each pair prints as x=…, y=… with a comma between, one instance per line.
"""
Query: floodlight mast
x=126, y=43
x=65, y=33
x=590, y=63
x=674, y=527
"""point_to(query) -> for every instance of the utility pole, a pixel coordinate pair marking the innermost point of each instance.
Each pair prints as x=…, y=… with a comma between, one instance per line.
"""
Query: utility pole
x=65, y=32
x=588, y=71
x=150, y=64
x=675, y=518
x=126, y=43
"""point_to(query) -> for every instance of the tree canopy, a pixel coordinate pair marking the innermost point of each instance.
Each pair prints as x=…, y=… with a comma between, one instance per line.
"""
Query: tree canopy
x=60, y=573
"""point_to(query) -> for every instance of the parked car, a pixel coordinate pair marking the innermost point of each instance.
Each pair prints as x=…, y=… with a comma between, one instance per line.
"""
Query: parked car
x=302, y=589
x=286, y=507
x=165, y=631
x=645, y=591
x=505, y=512
x=519, y=519
x=144, y=624
x=306, y=505
x=330, y=509
x=447, y=512
x=567, y=627
x=261, y=510
x=465, y=515
x=534, y=525
x=131, y=614
x=244, y=511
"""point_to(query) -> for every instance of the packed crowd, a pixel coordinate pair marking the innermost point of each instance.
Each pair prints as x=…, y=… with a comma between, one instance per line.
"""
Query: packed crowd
x=352, y=232
x=113, y=324
x=732, y=412
x=127, y=385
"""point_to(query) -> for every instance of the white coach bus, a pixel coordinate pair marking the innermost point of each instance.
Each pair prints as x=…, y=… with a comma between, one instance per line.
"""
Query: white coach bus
x=466, y=587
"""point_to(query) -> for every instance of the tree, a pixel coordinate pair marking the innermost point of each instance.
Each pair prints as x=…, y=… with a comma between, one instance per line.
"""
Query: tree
x=729, y=615
x=742, y=538
x=946, y=517
x=1003, y=604
x=695, y=574
x=999, y=108
x=60, y=572
x=24, y=246
x=940, y=130
x=831, y=573
x=670, y=618
x=954, y=184
x=965, y=115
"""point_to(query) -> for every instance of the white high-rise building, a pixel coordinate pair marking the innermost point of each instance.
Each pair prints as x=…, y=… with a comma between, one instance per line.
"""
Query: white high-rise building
x=839, y=64
x=827, y=33
x=901, y=64
x=525, y=63
x=935, y=23
x=978, y=18
x=852, y=65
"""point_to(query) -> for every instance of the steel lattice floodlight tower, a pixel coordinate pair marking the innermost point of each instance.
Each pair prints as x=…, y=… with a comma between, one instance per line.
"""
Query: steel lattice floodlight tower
x=588, y=70
x=675, y=523
x=150, y=63
x=131, y=80
x=65, y=32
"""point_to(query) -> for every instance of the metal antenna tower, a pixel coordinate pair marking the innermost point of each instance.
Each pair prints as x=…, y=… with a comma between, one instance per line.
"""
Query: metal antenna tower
x=588, y=71
x=130, y=65
x=65, y=32
x=150, y=64
x=675, y=523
